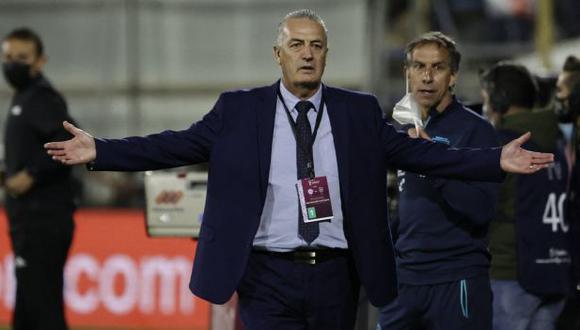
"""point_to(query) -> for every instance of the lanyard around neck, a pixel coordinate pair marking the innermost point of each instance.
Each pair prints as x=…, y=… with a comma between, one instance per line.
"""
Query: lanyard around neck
x=293, y=123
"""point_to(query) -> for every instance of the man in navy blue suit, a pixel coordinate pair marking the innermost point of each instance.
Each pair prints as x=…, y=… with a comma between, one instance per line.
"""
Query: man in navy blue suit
x=291, y=273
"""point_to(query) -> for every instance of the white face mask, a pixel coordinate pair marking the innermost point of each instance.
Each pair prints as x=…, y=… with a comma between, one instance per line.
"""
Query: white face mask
x=406, y=111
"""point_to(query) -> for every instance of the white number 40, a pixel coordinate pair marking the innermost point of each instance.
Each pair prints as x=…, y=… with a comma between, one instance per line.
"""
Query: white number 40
x=554, y=212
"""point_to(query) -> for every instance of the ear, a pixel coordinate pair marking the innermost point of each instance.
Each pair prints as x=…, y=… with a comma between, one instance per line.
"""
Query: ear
x=38, y=65
x=453, y=79
x=276, y=53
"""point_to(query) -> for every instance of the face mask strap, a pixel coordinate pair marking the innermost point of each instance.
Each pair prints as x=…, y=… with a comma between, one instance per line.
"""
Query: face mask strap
x=415, y=120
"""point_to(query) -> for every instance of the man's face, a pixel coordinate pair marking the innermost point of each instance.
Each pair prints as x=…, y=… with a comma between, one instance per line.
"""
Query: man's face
x=302, y=54
x=430, y=76
x=22, y=51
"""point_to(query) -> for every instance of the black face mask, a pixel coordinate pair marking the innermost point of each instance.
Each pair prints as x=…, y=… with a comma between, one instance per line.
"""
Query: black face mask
x=17, y=74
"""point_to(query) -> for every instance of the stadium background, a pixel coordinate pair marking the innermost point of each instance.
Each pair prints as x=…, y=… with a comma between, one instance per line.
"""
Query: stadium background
x=139, y=66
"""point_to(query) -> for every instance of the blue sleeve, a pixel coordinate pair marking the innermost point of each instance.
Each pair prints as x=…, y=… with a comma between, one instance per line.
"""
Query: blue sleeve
x=475, y=200
x=163, y=150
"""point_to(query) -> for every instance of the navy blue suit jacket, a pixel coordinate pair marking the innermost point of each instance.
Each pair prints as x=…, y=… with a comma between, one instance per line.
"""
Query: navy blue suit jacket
x=235, y=137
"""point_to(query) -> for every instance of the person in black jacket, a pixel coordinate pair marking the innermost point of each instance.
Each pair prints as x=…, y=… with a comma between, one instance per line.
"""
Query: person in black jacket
x=39, y=192
x=567, y=107
x=529, y=235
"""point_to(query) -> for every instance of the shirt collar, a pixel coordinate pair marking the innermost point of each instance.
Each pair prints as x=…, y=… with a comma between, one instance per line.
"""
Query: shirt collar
x=291, y=99
x=433, y=113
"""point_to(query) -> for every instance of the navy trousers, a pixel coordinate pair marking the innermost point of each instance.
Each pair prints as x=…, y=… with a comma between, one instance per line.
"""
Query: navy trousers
x=283, y=294
x=464, y=304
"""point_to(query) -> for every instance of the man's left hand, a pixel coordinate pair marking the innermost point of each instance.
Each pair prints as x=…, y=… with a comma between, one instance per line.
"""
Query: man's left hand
x=515, y=159
x=19, y=183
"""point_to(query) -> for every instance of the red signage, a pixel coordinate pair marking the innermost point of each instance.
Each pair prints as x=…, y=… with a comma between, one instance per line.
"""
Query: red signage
x=117, y=276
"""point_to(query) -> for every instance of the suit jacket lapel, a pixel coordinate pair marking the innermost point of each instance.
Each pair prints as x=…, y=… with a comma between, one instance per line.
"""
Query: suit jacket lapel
x=337, y=113
x=266, y=111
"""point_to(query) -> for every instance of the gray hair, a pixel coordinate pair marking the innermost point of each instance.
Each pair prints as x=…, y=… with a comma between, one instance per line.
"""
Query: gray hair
x=302, y=13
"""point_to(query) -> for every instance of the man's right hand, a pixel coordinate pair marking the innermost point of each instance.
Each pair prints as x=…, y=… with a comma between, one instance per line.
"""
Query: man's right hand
x=417, y=132
x=78, y=150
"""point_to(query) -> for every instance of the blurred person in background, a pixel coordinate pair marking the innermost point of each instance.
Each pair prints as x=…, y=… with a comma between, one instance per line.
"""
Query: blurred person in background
x=440, y=232
x=510, y=20
x=39, y=192
x=567, y=107
x=260, y=143
x=529, y=236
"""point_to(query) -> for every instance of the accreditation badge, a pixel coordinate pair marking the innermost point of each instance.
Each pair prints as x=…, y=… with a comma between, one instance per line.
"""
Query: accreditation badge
x=314, y=198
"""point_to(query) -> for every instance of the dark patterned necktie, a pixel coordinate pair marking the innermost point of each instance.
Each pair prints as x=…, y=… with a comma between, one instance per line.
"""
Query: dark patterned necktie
x=304, y=162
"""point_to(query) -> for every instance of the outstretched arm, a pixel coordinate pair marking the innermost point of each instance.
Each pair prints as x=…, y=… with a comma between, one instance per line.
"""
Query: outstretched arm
x=514, y=158
x=487, y=164
x=136, y=153
x=140, y=153
x=78, y=150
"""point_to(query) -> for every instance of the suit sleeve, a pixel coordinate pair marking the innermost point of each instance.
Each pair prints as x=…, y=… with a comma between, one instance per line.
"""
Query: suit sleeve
x=435, y=159
x=475, y=200
x=162, y=150
x=50, y=111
